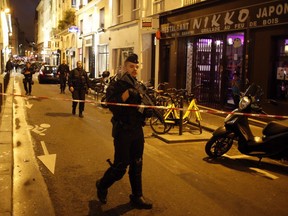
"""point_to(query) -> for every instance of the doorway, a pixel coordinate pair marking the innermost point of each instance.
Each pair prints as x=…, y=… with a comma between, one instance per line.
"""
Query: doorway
x=211, y=62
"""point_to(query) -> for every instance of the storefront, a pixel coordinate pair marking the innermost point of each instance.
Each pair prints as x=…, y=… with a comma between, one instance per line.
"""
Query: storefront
x=205, y=44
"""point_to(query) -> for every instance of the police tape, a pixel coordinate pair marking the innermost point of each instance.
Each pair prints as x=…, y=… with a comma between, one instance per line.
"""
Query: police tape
x=152, y=107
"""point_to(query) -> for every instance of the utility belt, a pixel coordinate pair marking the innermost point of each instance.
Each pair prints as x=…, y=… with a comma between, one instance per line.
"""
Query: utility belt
x=119, y=125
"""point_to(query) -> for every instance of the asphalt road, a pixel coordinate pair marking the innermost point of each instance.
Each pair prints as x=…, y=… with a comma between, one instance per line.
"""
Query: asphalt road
x=178, y=178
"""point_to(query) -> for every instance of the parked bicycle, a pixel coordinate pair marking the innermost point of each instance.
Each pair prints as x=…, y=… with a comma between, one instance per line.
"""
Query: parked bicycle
x=170, y=116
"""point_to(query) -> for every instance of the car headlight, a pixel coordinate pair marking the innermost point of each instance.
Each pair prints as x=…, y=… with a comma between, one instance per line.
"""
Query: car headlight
x=244, y=103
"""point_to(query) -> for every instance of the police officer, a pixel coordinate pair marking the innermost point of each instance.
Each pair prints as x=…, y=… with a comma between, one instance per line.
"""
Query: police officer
x=78, y=84
x=28, y=78
x=128, y=136
x=63, y=71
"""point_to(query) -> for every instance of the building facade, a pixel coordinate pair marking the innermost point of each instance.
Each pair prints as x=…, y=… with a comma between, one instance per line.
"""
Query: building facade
x=186, y=43
x=204, y=44
x=5, y=34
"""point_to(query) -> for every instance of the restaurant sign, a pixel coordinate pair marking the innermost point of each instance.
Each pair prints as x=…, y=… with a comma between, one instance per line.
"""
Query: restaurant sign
x=254, y=16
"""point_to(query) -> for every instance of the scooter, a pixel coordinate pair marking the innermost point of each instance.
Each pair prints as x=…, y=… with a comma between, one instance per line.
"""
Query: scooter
x=273, y=142
x=106, y=84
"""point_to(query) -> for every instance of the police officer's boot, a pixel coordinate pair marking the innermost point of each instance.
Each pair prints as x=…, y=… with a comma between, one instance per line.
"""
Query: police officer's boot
x=101, y=192
x=135, y=176
x=74, y=104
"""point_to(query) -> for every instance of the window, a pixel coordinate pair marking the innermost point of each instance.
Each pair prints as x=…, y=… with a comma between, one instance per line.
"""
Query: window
x=102, y=18
x=73, y=3
x=90, y=23
x=135, y=9
x=81, y=27
x=158, y=6
x=120, y=11
x=281, y=69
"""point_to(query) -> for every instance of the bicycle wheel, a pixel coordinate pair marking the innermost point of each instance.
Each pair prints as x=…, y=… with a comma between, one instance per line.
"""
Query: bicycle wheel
x=158, y=124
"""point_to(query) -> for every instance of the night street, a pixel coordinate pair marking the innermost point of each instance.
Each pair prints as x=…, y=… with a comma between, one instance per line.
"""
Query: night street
x=178, y=178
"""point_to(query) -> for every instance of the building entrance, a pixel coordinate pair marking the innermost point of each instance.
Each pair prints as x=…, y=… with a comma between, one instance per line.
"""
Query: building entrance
x=211, y=62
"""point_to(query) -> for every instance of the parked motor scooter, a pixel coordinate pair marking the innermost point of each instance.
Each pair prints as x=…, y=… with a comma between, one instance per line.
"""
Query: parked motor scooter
x=106, y=84
x=273, y=142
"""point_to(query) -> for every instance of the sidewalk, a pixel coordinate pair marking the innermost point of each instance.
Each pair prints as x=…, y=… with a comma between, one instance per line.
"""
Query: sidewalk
x=209, y=123
x=6, y=154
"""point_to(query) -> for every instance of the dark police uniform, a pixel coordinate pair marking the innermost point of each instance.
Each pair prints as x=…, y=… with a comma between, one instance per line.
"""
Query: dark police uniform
x=28, y=79
x=128, y=141
x=63, y=70
x=78, y=79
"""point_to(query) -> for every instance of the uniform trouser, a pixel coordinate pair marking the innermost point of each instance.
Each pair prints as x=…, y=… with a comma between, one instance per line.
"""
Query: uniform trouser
x=62, y=83
x=128, y=145
x=27, y=85
x=78, y=94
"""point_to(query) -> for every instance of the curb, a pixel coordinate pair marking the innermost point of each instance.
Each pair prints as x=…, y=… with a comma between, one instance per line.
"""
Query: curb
x=6, y=155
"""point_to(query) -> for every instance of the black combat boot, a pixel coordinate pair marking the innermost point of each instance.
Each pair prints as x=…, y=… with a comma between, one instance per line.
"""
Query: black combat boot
x=111, y=175
x=135, y=176
x=139, y=202
x=74, y=105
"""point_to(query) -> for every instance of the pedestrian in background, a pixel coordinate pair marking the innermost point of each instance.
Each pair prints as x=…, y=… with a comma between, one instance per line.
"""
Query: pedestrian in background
x=28, y=78
x=236, y=88
x=128, y=136
x=78, y=85
x=63, y=71
x=9, y=66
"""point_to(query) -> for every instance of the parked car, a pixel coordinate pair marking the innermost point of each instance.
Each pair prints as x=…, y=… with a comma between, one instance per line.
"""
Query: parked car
x=48, y=73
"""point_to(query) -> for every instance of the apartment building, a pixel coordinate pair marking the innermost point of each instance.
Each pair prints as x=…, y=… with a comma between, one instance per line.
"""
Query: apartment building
x=5, y=33
x=105, y=32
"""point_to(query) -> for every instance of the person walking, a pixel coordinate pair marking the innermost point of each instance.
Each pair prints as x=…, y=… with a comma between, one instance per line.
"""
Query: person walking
x=9, y=66
x=78, y=84
x=28, y=78
x=236, y=89
x=128, y=136
x=63, y=71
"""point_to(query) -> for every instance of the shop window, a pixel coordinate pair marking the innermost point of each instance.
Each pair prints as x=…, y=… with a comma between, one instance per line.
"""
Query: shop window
x=103, y=59
x=234, y=63
x=282, y=69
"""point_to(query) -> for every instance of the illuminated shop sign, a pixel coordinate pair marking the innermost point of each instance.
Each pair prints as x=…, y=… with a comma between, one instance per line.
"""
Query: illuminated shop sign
x=254, y=16
x=73, y=29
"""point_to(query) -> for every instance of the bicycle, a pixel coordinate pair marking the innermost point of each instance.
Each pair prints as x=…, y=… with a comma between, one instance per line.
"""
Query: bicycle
x=162, y=122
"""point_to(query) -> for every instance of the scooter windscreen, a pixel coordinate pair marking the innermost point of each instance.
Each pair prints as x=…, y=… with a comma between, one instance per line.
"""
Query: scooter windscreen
x=254, y=91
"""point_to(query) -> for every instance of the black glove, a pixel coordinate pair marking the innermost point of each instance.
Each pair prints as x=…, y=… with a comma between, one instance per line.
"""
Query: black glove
x=148, y=113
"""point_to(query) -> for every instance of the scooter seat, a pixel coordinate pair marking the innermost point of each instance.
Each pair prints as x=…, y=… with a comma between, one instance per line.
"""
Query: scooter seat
x=275, y=127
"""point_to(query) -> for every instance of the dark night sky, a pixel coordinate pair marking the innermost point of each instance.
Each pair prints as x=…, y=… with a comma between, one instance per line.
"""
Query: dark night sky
x=24, y=10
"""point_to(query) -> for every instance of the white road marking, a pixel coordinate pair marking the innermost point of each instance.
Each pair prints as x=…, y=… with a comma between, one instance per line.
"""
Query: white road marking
x=264, y=173
x=257, y=170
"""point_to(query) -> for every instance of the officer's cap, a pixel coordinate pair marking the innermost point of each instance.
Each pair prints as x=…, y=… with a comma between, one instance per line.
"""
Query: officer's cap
x=132, y=58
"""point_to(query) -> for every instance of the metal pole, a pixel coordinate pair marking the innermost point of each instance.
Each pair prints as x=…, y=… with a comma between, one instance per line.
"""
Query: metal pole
x=181, y=116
